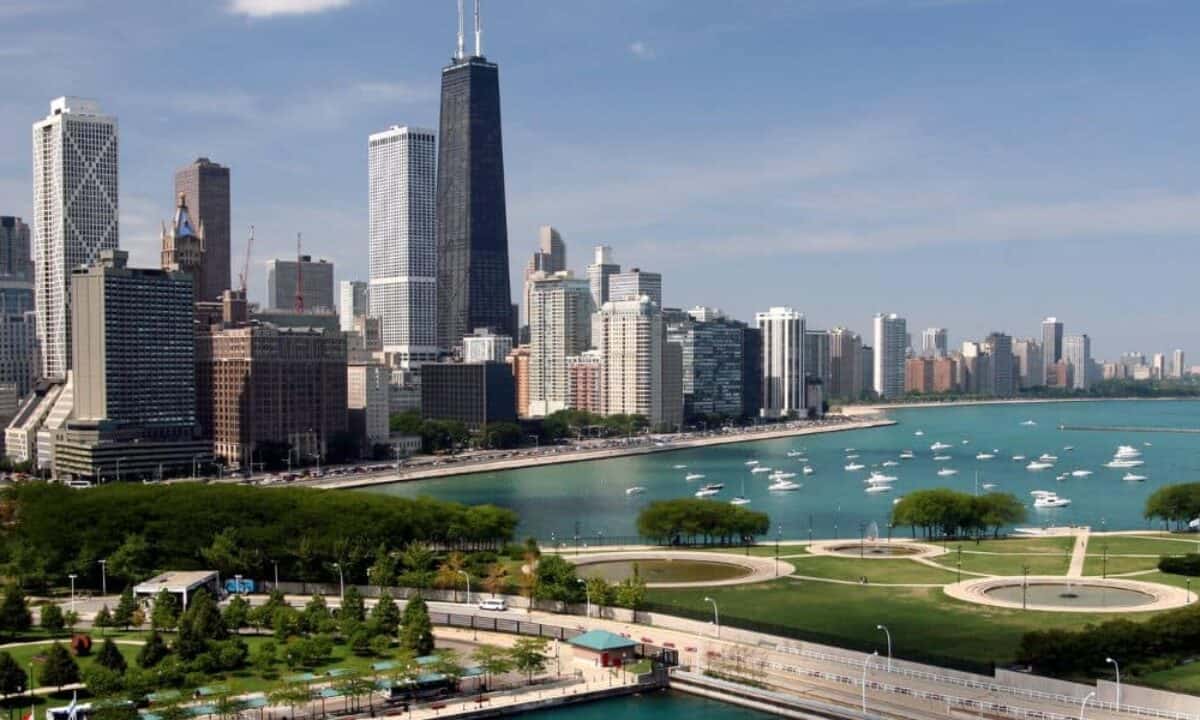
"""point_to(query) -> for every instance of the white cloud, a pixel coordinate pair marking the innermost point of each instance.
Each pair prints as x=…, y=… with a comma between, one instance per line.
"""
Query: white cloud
x=640, y=50
x=272, y=8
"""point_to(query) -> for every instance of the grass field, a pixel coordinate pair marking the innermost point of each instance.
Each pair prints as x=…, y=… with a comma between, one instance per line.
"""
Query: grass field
x=877, y=571
x=1006, y=564
x=24, y=654
x=1184, y=678
x=1094, y=565
x=1139, y=545
x=1021, y=545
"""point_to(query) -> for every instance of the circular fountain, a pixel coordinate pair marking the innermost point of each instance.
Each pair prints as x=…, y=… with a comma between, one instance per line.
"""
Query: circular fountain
x=874, y=549
x=1062, y=594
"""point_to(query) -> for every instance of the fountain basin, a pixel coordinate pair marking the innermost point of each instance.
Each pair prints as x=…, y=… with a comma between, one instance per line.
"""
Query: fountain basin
x=875, y=549
x=1062, y=594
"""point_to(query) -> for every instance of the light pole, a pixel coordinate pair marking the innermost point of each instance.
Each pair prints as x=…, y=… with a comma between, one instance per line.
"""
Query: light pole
x=119, y=468
x=1116, y=665
x=72, y=576
x=866, y=664
x=468, y=577
x=103, y=576
x=889, y=641
x=587, y=593
x=716, y=615
x=276, y=564
x=341, y=582
x=237, y=584
x=1024, y=586
x=1083, y=704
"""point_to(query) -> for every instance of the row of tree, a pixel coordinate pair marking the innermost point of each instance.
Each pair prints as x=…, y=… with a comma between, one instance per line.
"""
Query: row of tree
x=1175, y=505
x=694, y=521
x=946, y=512
x=50, y=531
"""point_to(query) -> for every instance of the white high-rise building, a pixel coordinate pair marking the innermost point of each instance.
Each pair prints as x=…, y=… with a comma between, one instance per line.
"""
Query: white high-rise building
x=630, y=337
x=560, y=317
x=401, y=213
x=934, y=342
x=890, y=342
x=1032, y=369
x=367, y=389
x=486, y=346
x=1177, y=368
x=634, y=283
x=75, y=213
x=1077, y=352
x=598, y=273
x=783, y=331
x=1159, y=366
x=352, y=302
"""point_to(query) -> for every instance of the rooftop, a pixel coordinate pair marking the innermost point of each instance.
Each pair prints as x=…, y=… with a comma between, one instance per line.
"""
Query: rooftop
x=601, y=640
x=176, y=581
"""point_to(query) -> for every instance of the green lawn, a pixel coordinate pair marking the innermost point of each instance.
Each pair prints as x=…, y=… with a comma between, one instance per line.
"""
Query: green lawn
x=1181, y=581
x=25, y=653
x=1094, y=565
x=1182, y=678
x=880, y=571
x=1138, y=545
x=1020, y=545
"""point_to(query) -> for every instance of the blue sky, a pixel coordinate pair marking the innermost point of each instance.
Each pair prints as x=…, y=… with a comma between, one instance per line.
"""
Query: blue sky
x=974, y=164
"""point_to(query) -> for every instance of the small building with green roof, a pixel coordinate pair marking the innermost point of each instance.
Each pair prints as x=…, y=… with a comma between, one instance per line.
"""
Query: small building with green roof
x=601, y=648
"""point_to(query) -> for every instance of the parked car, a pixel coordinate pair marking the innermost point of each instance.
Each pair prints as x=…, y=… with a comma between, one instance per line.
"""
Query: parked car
x=493, y=604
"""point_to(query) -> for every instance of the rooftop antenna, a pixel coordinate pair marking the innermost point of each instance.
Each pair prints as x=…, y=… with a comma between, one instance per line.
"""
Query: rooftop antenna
x=478, y=33
x=299, y=277
x=246, y=264
x=459, y=54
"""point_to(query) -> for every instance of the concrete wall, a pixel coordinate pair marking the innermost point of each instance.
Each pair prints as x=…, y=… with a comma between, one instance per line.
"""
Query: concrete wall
x=1043, y=684
x=1133, y=695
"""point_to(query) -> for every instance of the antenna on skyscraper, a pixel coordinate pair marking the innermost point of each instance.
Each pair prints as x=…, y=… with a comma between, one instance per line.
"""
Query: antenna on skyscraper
x=459, y=54
x=299, y=277
x=478, y=33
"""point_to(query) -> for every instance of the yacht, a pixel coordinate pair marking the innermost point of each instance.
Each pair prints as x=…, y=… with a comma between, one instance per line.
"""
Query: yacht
x=713, y=486
x=795, y=453
x=1127, y=452
x=852, y=467
x=984, y=456
x=1051, y=501
x=878, y=477
x=1018, y=458
x=939, y=446
x=635, y=490
x=706, y=492
x=880, y=488
x=1126, y=463
x=1047, y=457
x=693, y=476
x=1069, y=448
x=783, y=486
x=808, y=470
x=1041, y=493
x=851, y=457
x=1039, y=465
x=1062, y=476
x=989, y=486
x=919, y=433
x=760, y=469
x=947, y=472
x=1029, y=423
x=941, y=458
x=1132, y=477
x=849, y=450
x=782, y=475
x=751, y=462
x=679, y=467
x=964, y=442
x=1081, y=473
x=890, y=463
x=906, y=455
x=739, y=500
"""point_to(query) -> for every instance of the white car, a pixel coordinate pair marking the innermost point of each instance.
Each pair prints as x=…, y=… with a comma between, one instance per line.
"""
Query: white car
x=495, y=604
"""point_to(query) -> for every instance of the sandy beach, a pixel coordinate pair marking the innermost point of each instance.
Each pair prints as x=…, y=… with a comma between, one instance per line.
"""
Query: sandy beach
x=587, y=454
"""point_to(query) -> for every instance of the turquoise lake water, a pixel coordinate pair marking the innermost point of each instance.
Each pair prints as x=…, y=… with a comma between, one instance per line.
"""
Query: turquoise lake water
x=652, y=707
x=553, y=501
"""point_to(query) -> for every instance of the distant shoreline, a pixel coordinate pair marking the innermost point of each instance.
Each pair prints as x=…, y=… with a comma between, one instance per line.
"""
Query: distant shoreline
x=867, y=410
x=505, y=464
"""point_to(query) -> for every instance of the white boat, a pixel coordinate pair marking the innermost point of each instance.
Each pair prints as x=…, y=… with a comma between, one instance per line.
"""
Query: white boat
x=1039, y=465
x=693, y=476
x=1080, y=473
x=896, y=501
x=853, y=467
x=751, y=462
x=1124, y=463
x=706, y=492
x=1069, y=448
x=984, y=456
x=939, y=446
x=679, y=467
x=1127, y=452
x=760, y=469
x=1063, y=476
x=1018, y=458
x=919, y=433
x=1147, y=444
x=782, y=475
x=890, y=463
x=906, y=455
x=878, y=477
x=875, y=489
x=849, y=450
x=808, y=470
x=783, y=486
x=1029, y=423
x=802, y=459
x=964, y=442
x=1041, y=493
x=635, y=490
x=713, y=486
x=1051, y=501
x=989, y=486
x=1047, y=457
x=941, y=458
x=795, y=453
x=851, y=457
x=739, y=500
x=947, y=472
x=1131, y=477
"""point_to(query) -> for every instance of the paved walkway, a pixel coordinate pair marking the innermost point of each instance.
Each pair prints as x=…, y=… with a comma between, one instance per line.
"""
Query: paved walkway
x=1079, y=553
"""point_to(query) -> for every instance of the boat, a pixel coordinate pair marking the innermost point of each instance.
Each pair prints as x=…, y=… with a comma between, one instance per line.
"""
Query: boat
x=1147, y=444
x=1080, y=473
x=906, y=455
x=635, y=490
x=947, y=472
x=939, y=446
x=751, y=462
x=1124, y=463
x=1047, y=457
x=919, y=433
x=1051, y=500
x=984, y=456
x=679, y=467
x=964, y=442
x=989, y=486
x=1018, y=458
x=890, y=463
x=808, y=470
x=941, y=458
x=852, y=467
x=1127, y=452
x=851, y=457
x=782, y=475
x=1029, y=423
x=795, y=453
x=1131, y=477
x=713, y=486
x=1069, y=448
x=849, y=450
x=1063, y=476
x=739, y=500
x=760, y=469
x=896, y=501
x=875, y=489
x=878, y=477
x=693, y=476
x=783, y=486
x=706, y=492
x=1041, y=493
x=1039, y=465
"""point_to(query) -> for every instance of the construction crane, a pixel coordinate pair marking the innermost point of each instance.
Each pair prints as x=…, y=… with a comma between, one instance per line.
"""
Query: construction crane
x=246, y=263
x=299, y=277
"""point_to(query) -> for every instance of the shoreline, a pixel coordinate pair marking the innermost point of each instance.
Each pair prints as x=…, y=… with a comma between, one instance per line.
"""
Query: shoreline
x=598, y=454
x=866, y=410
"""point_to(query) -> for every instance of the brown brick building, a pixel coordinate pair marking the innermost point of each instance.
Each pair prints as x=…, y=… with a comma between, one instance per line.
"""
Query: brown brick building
x=918, y=375
x=518, y=360
x=945, y=375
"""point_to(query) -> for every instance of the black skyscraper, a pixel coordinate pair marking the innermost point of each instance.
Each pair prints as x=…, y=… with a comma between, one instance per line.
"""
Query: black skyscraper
x=472, y=226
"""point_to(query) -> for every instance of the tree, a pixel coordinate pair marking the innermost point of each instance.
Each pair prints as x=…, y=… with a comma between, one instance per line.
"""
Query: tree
x=199, y=625
x=237, y=614
x=71, y=618
x=529, y=655
x=600, y=591
x=110, y=657
x=447, y=665
x=225, y=554
x=13, y=679
x=52, y=620
x=417, y=635
x=14, y=611
x=693, y=520
x=153, y=651
x=383, y=572
x=133, y=559
x=492, y=661
x=418, y=560
x=448, y=573
x=264, y=658
x=497, y=578
x=385, y=615
x=353, y=609
x=557, y=580
x=103, y=682
x=59, y=668
x=291, y=695
x=316, y=617
x=165, y=613
x=103, y=619
x=631, y=592
x=123, y=616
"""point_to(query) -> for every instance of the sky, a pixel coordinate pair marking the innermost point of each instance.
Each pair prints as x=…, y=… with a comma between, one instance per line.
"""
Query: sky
x=969, y=164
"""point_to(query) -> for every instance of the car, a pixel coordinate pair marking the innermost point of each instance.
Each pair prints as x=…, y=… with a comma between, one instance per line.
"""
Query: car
x=495, y=604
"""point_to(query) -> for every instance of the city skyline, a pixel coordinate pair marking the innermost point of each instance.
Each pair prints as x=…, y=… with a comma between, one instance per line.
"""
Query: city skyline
x=1041, y=236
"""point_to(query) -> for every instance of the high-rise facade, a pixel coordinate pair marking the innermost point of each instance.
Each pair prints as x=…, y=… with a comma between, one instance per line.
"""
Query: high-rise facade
x=1158, y=366
x=711, y=359
x=629, y=336
x=1077, y=352
x=934, y=342
x=403, y=244
x=634, y=283
x=18, y=323
x=472, y=227
x=16, y=260
x=204, y=187
x=1177, y=367
x=845, y=365
x=890, y=342
x=182, y=245
x=300, y=284
x=1031, y=368
x=560, y=325
x=783, y=373
x=1052, y=342
x=352, y=302
x=75, y=213
x=483, y=345
x=818, y=357
x=367, y=388
x=598, y=273
x=550, y=258
x=752, y=367
x=1003, y=380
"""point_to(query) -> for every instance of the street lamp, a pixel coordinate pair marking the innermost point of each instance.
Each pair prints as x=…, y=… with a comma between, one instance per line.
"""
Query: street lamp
x=1117, y=666
x=468, y=577
x=1024, y=586
x=276, y=564
x=119, y=467
x=866, y=662
x=341, y=582
x=103, y=577
x=237, y=584
x=587, y=592
x=889, y=641
x=1083, y=704
x=72, y=576
x=716, y=615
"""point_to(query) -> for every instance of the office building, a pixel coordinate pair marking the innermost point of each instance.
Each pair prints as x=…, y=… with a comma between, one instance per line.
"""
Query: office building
x=368, y=387
x=352, y=302
x=888, y=376
x=20, y=434
x=629, y=336
x=550, y=258
x=182, y=244
x=1052, y=343
x=818, y=356
x=783, y=370
x=634, y=283
x=845, y=365
x=18, y=324
x=403, y=247
x=486, y=346
x=671, y=387
x=75, y=213
x=518, y=361
x=934, y=342
x=364, y=341
x=134, y=372
x=1178, y=369
x=475, y=394
x=301, y=285
x=1059, y=375
x=204, y=187
x=1077, y=352
x=560, y=317
x=18, y=351
x=472, y=227
x=918, y=375
x=945, y=375
x=711, y=359
x=1159, y=366
x=1031, y=368
x=752, y=371
x=868, y=368
x=583, y=381
x=1002, y=365
x=16, y=259
x=599, y=272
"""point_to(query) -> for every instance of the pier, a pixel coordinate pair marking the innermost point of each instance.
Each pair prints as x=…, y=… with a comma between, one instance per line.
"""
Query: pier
x=1130, y=428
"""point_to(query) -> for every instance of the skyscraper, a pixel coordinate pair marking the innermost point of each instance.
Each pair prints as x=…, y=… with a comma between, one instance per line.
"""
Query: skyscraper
x=1003, y=381
x=783, y=339
x=712, y=361
x=934, y=342
x=636, y=282
x=817, y=357
x=182, y=245
x=560, y=317
x=204, y=186
x=311, y=279
x=403, y=254
x=16, y=261
x=1159, y=366
x=75, y=213
x=352, y=302
x=629, y=336
x=472, y=227
x=1031, y=366
x=1077, y=352
x=550, y=257
x=1177, y=369
x=890, y=342
x=18, y=323
x=845, y=365
x=598, y=273
x=1052, y=342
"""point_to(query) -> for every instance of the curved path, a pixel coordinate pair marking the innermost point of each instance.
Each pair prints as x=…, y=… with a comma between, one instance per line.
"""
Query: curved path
x=759, y=569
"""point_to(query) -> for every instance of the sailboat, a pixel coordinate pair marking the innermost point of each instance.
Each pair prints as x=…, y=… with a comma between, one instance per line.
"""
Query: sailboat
x=741, y=499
